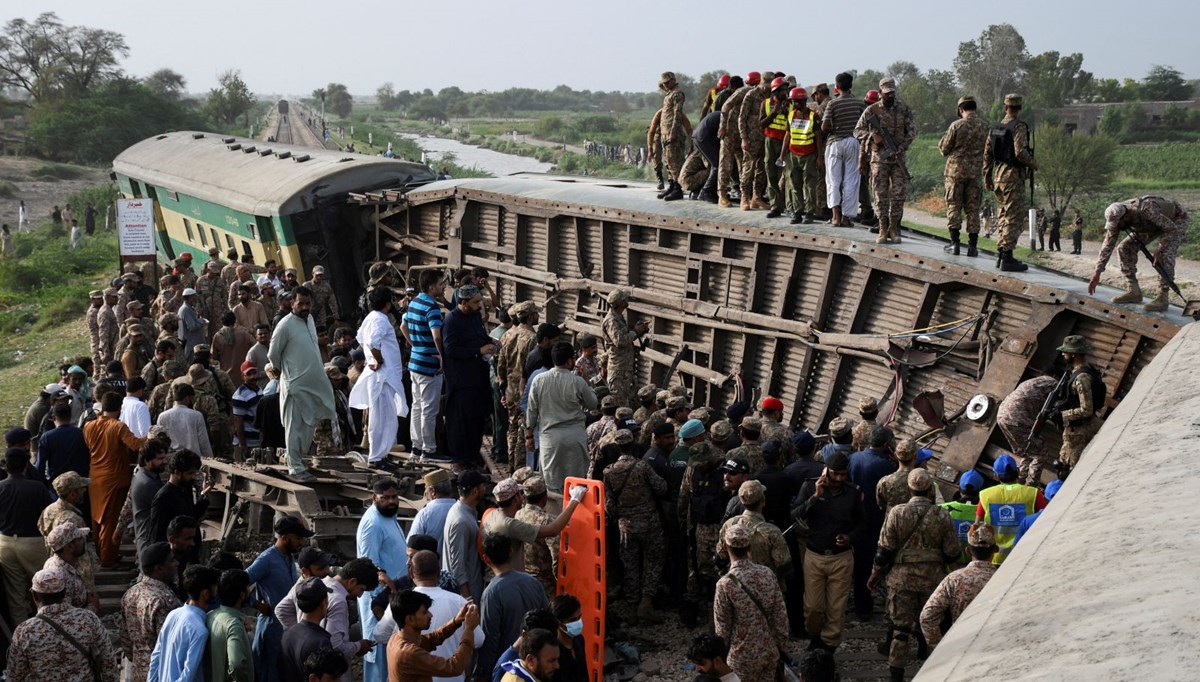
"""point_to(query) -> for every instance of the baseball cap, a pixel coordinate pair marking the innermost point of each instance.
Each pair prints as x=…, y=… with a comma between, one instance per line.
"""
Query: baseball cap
x=49, y=581
x=311, y=556
x=64, y=534
x=736, y=465
x=310, y=592
x=290, y=525
x=17, y=436
x=1004, y=464
x=751, y=492
x=69, y=482
x=737, y=535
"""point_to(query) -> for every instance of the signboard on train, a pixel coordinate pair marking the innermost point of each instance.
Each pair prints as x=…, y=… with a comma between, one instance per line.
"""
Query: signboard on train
x=135, y=227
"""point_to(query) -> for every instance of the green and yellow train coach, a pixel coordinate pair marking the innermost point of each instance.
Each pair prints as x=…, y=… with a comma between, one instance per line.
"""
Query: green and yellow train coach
x=271, y=201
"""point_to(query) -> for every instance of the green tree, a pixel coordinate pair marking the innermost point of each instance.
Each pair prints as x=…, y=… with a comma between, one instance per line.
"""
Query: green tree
x=337, y=100
x=232, y=99
x=1073, y=165
x=166, y=83
x=46, y=59
x=428, y=107
x=549, y=127
x=1164, y=83
x=990, y=65
x=386, y=95
x=1052, y=80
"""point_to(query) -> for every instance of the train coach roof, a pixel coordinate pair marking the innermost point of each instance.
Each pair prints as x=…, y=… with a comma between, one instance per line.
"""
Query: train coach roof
x=256, y=177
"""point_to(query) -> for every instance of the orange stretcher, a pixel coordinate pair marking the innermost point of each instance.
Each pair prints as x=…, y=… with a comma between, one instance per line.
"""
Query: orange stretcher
x=581, y=552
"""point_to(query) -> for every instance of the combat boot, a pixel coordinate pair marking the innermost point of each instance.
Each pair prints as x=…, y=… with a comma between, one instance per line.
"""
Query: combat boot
x=972, y=245
x=774, y=214
x=724, y=201
x=955, y=245
x=666, y=188
x=1159, y=303
x=661, y=183
x=674, y=192
x=1133, y=293
x=883, y=231
x=894, y=230
x=798, y=217
x=745, y=204
x=884, y=648
x=759, y=205
x=999, y=256
x=1010, y=264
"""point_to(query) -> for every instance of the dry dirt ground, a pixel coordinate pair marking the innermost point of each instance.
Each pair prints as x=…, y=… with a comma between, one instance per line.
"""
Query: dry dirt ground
x=40, y=195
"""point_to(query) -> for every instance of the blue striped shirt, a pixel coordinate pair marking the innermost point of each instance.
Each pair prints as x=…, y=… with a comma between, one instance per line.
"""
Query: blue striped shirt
x=423, y=316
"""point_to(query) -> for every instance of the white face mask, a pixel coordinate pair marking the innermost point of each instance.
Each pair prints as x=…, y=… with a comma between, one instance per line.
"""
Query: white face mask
x=574, y=628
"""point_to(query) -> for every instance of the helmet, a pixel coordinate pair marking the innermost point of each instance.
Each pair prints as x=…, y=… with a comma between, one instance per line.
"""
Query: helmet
x=872, y=96
x=753, y=78
x=778, y=83
x=798, y=93
x=723, y=81
x=970, y=478
x=1004, y=464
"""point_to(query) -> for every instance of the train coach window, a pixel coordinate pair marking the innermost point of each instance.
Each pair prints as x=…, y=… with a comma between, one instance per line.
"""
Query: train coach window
x=253, y=230
x=228, y=240
x=187, y=225
x=246, y=248
x=203, y=238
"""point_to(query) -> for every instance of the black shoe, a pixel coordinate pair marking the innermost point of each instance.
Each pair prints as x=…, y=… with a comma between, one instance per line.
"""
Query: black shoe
x=674, y=192
x=707, y=197
x=1010, y=264
x=896, y=672
x=774, y=214
x=665, y=190
x=661, y=185
x=972, y=245
x=797, y=218
x=693, y=196
x=874, y=229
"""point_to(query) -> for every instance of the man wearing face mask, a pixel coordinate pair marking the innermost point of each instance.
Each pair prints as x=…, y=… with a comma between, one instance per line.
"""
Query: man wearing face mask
x=888, y=128
x=381, y=540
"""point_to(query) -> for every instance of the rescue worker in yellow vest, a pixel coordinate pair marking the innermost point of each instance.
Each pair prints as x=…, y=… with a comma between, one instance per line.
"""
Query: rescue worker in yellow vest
x=775, y=131
x=1004, y=506
x=803, y=154
x=713, y=92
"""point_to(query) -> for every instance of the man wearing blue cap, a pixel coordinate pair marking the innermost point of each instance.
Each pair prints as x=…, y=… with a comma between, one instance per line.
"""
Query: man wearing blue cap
x=962, y=507
x=1051, y=490
x=1004, y=506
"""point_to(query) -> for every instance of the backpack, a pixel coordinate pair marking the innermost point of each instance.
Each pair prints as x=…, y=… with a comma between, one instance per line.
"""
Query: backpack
x=1003, y=148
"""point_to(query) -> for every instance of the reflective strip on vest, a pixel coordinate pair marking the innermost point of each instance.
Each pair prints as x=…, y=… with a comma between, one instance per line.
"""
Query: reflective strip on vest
x=803, y=133
x=1004, y=508
x=963, y=515
x=777, y=126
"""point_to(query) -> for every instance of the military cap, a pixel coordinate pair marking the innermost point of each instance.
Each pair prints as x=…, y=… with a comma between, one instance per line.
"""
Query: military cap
x=436, y=476
x=981, y=535
x=64, y=534
x=1014, y=100
x=837, y=461
x=17, y=436
x=378, y=272
x=166, y=318
x=964, y=99
x=839, y=427
x=523, y=474
x=919, y=480
x=136, y=330
x=135, y=304
x=197, y=374
x=214, y=251
x=678, y=389
x=868, y=406
x=522, y=308
x=175, y=368
x=647, y=392
x=662, y=396
x=676, y=402
x=588, y=341
x=751, y=424
x=736, y=465
x=333, y=372
x=618, y=296
x=212, y=266
x=506, y=489
x=772, y=404
x=112, y=291
x=95, y=293
x=751, y=492
x=608, y=401
x=623, y=437
x=906, y=450
x=664, y=429
x=887, y=84
x=737, y=535
x=291, y=525
x=691, y=428
x=721, y=430
x=186, y=256
x=624, y=413
x=50, y=581
x=667, y=77
x=704, y=414
x=1075, y=344
x=201, y=348
x=319, y=270
x=535, y=485
x=129, y=277
x=69, y=482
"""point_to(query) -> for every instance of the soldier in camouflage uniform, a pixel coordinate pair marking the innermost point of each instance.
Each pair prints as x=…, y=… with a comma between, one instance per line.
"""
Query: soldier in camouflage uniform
x=702, y=500
x=234, y=288
x=325, y=303
x=183, y=268
x=889, y=176
x=957, y=590
x=125, y=294
x=212, y=293
x=145, y=606
x=1007, y=159
x=674, y=139
x=95, y=301
x=1079, y=405
x=515, y=346
x=229, y=270
x=646, y=407
x=773, y=427
x=38, y=652
x=71, y=489
x=729, y=166
x=1016, y=415
x=767, y=545
x=541, y=557
x=675, y=412
x=207, y=403
x=656, y=417
x=751, y=448
x=333, y=437
x=721, y=431
x=631, y=490
x=137, y=316
x=754, y=169
x=962, y=145
x=917, y=539
x=892, y=490
x=169, y=331
x=1147, y=218
x=162, y=397
x=619, y=338
x=136, y=353
x=749, y=611
x=860, y=435
x=109, y=332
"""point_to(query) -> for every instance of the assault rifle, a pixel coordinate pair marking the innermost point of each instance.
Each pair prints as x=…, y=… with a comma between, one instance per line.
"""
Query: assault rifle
x=1189, y=307
x=1047, y=413
x=891, y=150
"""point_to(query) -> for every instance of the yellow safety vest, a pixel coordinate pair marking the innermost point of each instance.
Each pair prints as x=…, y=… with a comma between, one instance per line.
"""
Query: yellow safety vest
x=1004, y=507
x=803, y=133
x=777, y=127
x=712, y=98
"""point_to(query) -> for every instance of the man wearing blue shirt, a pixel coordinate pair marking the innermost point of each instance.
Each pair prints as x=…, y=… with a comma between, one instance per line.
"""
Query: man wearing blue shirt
x=867, y=467
x=179, y=653
x=440, y=494
x=423, y=331
x=274, y=572
x=381, y=540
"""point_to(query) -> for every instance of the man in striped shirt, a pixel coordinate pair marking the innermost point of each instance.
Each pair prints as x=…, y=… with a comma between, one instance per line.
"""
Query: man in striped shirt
x=841, y=151
x=423, y=331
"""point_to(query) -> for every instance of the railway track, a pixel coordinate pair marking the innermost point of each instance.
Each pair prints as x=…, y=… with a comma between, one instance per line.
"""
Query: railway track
x=283, y=130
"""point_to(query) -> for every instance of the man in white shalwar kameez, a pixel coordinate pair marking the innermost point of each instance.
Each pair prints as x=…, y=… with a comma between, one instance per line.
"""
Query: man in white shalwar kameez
x=305, y=394
x=379, y=388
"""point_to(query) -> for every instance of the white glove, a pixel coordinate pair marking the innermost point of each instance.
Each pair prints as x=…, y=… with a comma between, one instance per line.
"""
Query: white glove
x=578, y=492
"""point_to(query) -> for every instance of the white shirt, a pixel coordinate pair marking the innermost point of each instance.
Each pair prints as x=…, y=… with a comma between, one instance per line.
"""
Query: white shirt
x=136, y=415
x=446, y=606
x=265, y=278
x=378, y=333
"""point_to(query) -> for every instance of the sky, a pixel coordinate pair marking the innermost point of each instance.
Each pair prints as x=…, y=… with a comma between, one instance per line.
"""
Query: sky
x=292, y=48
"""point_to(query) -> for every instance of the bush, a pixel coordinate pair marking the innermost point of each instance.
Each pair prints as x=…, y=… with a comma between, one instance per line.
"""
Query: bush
x=56, y=171
x=7, y=190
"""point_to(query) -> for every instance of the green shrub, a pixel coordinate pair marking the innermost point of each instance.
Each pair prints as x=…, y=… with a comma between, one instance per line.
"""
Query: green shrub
x=56, y=171
x=7, y=190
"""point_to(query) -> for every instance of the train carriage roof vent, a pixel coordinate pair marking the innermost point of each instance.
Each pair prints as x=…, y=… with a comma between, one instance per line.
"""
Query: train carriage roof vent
x=248, y=150
x=195, y=136
x=264, y=152
x=226, y=140
x=302, y=158
x=234, y=147
x=345, y=158
x=283, y=155
x=162, y=137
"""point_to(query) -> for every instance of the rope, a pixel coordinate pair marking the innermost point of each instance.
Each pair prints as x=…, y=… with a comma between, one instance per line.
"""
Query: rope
x=939, y=328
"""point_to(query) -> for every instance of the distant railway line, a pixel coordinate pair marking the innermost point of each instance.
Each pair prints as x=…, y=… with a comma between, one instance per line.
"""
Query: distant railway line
x=292, y=127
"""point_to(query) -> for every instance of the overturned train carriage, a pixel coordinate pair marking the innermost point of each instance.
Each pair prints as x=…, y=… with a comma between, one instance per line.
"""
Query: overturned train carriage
x=818, y=316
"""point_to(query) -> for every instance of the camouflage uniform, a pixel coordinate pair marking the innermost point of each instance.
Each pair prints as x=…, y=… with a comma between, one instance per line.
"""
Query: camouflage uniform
x=77, y=593
x=755, y=635
x=1149, y=218
x=706, y=533
x=954, y=594
x=889, y=179
x=229, y=274
x=962, y=145
x=861, y=434
x=767, y=545
x=514, y=348
x=773, y=430
x=751, y=451
x=106, y=319
x=597, y=430
x=730, y=161
x=144, y=607
x=61, y=512
x=541, y=557
x=38, y=653
x=916, y=566
x=1010, y=183
x=324, y=303
x=754, y=170
x=212, y=296
x=652, y=421
x=1015, y=417
x=1080, y=424
x=631, y=488
x=892, y=490
x=220, y=428
x=673, y=137
x=622, y=358
x=93, y=325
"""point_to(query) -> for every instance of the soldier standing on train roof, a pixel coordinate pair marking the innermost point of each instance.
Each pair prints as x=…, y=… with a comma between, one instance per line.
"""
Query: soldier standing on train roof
x=1081, y=398
x=1007, y=159
x=962, y=145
